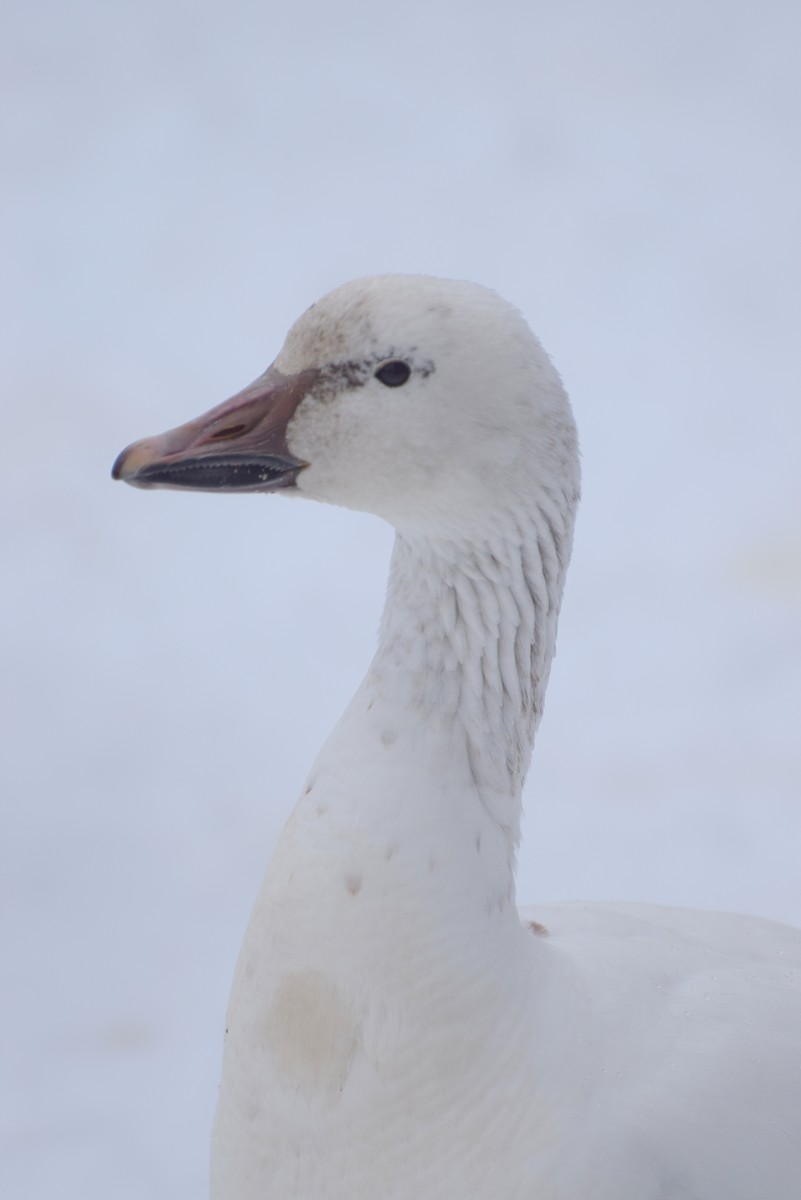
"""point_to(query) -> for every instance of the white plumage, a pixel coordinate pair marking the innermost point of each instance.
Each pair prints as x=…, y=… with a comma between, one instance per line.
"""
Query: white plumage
x=396, y=1031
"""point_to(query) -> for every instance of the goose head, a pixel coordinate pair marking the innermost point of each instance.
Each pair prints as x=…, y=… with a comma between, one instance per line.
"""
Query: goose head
x=428, y=402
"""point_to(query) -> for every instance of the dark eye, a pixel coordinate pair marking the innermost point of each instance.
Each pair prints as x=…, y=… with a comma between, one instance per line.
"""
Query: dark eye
x=394, y=373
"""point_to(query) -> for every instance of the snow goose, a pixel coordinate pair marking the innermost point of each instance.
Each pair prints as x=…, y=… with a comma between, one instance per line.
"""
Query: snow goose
x=396, y=1031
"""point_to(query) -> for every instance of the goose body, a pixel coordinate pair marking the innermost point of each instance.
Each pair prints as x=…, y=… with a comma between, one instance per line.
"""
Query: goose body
x=397, y=1029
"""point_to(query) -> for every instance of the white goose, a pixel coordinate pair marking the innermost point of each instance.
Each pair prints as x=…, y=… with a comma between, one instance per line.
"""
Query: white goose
x=397, y=1030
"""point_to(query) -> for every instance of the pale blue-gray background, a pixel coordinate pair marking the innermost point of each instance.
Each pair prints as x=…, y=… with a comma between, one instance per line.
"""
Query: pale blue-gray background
x=180, y=181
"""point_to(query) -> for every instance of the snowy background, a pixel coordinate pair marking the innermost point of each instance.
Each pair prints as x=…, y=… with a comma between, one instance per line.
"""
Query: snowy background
x=180, y=181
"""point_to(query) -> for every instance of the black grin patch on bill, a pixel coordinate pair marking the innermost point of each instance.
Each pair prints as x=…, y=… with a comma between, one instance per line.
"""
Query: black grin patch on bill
x=224, y=472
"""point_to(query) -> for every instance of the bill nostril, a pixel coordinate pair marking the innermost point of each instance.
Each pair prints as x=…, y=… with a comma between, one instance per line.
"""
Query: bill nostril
x=230, y=431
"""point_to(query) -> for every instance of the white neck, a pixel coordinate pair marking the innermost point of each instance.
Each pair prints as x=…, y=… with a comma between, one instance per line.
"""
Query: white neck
x=434, y=748
x=467, y=639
